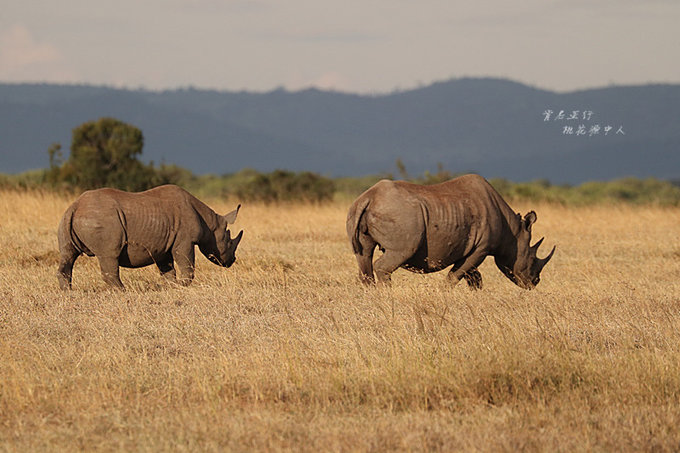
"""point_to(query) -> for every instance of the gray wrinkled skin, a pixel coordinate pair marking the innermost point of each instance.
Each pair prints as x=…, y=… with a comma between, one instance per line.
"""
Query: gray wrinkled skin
x=160, y=226
x=428, y=228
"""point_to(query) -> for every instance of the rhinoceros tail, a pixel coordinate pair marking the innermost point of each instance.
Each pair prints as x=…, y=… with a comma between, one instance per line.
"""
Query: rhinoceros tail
x=66, y=234
x=65, y=228
x=354, y=221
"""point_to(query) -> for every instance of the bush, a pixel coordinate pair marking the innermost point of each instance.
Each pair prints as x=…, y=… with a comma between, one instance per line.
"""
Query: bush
x=32, y=179
x=628, y=190
x=251, y=185
x=625, y=190
x=281, y=185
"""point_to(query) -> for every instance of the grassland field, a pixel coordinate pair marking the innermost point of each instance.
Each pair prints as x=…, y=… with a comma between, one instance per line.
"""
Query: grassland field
x=286, y=351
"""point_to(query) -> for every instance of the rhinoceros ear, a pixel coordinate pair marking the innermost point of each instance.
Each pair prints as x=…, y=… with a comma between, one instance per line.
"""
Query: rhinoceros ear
x=529, y=220
x=231, y=217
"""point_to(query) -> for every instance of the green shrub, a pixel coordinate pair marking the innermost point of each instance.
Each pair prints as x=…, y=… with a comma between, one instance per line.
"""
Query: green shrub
x=32, y=179
x=281, y=185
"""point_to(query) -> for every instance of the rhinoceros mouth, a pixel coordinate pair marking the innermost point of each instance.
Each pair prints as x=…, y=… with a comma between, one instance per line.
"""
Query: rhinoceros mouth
x=518, y=281
x=215, y=260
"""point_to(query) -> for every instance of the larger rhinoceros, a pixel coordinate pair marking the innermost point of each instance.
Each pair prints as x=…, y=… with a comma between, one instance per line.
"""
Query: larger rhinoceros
x=159, y=226
x=428, y=228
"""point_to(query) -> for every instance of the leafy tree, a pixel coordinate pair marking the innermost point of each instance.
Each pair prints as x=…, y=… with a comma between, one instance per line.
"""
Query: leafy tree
x=105, y=153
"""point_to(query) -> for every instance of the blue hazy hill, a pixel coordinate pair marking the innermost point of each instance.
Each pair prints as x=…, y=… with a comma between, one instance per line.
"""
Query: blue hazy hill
x=493, y=127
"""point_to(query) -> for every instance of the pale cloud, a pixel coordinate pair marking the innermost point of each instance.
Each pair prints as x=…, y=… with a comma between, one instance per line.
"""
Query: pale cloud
x=21, y=55
x=19, y=49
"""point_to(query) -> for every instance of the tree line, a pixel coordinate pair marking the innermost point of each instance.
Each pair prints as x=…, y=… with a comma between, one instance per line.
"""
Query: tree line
x=106, y=153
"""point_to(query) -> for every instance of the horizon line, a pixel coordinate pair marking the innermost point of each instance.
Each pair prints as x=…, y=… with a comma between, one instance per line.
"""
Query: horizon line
x=282, y=88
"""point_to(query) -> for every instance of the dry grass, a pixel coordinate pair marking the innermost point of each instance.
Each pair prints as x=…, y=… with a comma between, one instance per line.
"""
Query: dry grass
x=286, y=351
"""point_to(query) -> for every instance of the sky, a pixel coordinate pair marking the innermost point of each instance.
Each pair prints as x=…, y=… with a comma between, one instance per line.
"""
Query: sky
x=357, y=46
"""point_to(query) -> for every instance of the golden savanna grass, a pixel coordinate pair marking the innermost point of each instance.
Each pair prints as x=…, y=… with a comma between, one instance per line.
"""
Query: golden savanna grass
x=286, y=351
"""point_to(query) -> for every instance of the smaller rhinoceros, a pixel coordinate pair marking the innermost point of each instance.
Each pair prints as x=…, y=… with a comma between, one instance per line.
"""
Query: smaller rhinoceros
x=160, y=226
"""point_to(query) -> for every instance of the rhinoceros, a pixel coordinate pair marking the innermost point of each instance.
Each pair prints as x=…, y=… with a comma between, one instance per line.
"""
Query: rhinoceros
x=159, y=226
x=428, y=228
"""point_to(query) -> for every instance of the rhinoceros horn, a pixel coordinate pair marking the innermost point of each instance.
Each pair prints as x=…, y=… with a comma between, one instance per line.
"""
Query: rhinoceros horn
x=238, y=237
x=544, y=261
x=537, y=245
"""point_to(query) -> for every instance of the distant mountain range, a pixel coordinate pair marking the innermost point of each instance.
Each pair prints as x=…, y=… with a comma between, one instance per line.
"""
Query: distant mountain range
x=494, y=127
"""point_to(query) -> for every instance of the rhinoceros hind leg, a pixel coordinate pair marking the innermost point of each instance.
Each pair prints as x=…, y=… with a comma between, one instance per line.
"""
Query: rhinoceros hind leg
x=65, y=270
x=366, y=268
x=388, y=263
x=110, y=272
x=365, y=259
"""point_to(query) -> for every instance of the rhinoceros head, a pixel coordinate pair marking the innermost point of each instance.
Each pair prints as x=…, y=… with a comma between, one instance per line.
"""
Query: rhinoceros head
x=521, y=263
x=220, y=247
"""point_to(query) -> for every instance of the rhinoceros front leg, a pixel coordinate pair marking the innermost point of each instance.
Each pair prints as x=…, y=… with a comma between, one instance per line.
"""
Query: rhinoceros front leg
x=167, y=269
x=467, y=269
x=110, y=271
x=184, y=257
x=473, y=279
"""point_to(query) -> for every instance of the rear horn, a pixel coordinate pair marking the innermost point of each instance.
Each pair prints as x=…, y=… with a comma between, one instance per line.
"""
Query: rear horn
x=537, y=245
x=545, y=260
